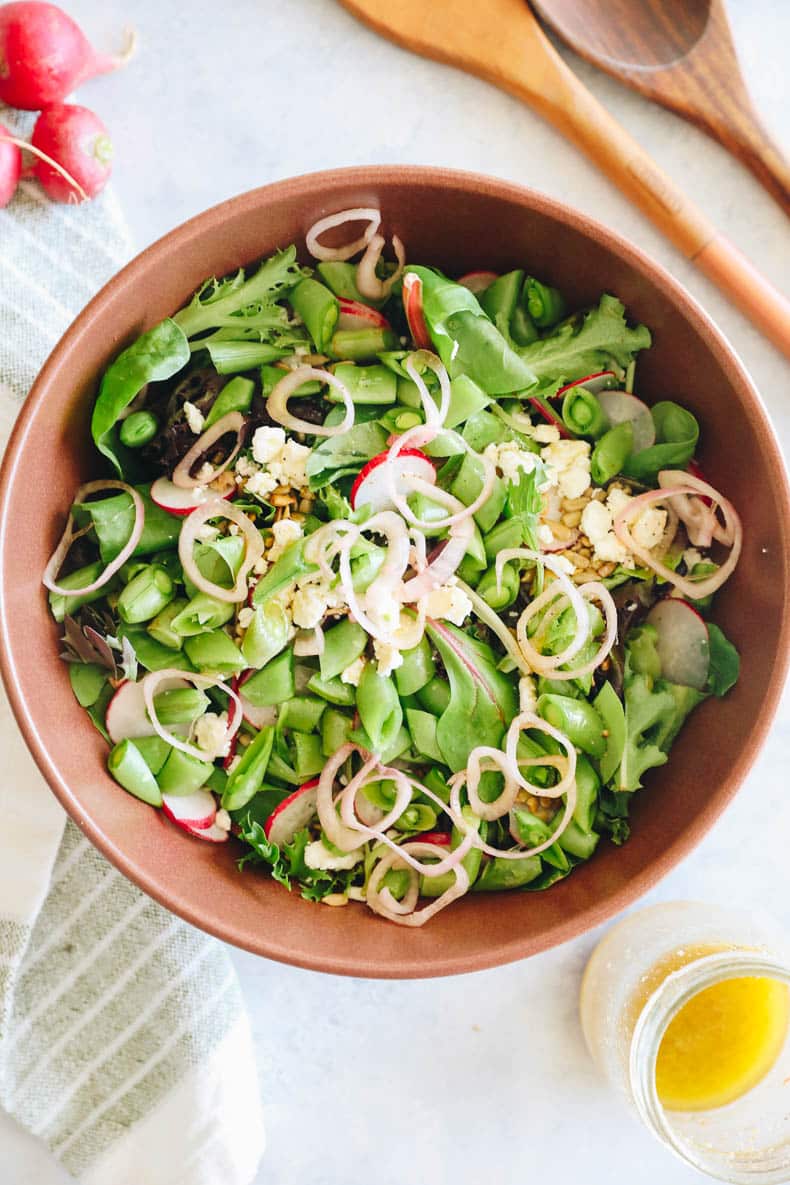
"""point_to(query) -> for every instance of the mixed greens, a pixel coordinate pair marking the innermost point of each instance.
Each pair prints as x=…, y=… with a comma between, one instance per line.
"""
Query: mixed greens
x=395, y=580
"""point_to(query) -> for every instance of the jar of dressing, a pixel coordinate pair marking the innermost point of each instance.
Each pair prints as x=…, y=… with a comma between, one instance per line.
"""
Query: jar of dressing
x=685, y=1008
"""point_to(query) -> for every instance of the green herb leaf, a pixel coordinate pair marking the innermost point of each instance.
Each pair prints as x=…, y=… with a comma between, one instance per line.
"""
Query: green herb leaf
x=725, y=662
x=601, y=340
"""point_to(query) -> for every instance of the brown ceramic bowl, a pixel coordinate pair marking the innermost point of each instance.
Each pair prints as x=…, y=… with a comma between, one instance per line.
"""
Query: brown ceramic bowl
x=458, y=222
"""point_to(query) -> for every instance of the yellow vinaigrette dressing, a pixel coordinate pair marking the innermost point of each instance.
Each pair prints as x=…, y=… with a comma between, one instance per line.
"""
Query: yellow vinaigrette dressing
x=723, y=1041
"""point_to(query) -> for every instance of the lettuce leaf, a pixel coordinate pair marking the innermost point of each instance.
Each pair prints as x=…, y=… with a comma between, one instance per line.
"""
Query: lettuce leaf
x=725, y=662
x=601, y=340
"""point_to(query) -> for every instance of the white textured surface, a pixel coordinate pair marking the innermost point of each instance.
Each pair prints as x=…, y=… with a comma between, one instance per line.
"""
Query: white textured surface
x=481, y=1077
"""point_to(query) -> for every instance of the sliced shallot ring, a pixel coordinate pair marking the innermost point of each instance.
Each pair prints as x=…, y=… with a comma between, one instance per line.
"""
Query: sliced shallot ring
x=383, y=903
x=277, y=403
x=547, y=662
x=152, y=680
x=693, y=589
x=219, y=508
x=669, y=478
x=343, y=837
x=434, y=416
x=341, y=254
x=368, y=283
x=390, y=577
x=55, y=562
x=444, y=565
x=593, y=590
x=501, y=763
x=182, y=474
x=531, y=720
x=425, y=434
x=491, y=618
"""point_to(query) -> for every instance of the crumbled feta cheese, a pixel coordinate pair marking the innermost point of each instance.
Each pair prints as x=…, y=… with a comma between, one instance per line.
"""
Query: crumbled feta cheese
x=617, y=500
x=267, y=443
x=245, y=617
x=194, y=417
x=353, y=672
x=527, y=694
x=261, y=484
x=245, y=467
x=288, y=467
x=692, y=557
x=211, y=734
x=223, y=820
x=546, y=433
x=569, y=463
x=510, y=459
x=596, y=523
x=285, y=532
x=382, y=608
x=318, y=855
x=545, y=535
x=388, y=657
x=648, y=529
x=447, y=602
x=260, y=566
x=308, y=607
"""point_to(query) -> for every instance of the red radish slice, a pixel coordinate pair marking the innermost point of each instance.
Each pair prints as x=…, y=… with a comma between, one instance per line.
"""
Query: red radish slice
x=355, y=315
x=548, y=415
x=213, y=834
x=600, y=381
x=193, y=812
x=440, y=839
x=476, y=282
x=127, y=717
x=620, y=408
x=293, y=813
x=180, y=502
x=682, y=644
x=412, y=307
x=371, y=486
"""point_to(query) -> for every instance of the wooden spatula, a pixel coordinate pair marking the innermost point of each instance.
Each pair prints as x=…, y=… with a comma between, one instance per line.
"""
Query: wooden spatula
x=501, y=41
x=681, y=54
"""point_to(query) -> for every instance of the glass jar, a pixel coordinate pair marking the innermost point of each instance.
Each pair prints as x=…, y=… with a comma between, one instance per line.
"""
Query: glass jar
x=638, y=979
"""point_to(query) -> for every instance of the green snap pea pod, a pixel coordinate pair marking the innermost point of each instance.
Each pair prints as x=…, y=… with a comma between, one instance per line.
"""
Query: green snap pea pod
x=500, y=594
x=417, y=669
x=129, y=570
x=161, y=628
x=301, y=712
x=201, y=614
x=138, y=428
x=266, y=635
x=98, y=710
x=425, y=508
x=610, y=709
x=155, y=356
x=677, y=433
x=334, y=691
x=234, y=396
x=62, y=606
x=469, y=571
x=341, y=278
x=88, y=680
x=545, y=305
x=343, y=644
x=319, y=310
x=365, y=384
x=231, y=357
x=127, y=766
x=382, y=794
x=610, y=453
x=283, y=573
x=416, y=817
x=587, y=786
x=578, y=843
x=434, y=697
x=180, y=705
x=467, y=485
x=282, y=771
x=152, y=654
x=483, y=429
x=576, y=718
x=113, y=520
x=397, y=880
x=214, y=651
x=379, y=708
x=466, y=399
x=498, y=874
x=260, y=806
x=309, y=757
x=358, y=345
x=398, y=420
x=154, y=752
x=434, y=886
x=366, y=568
x=336, y=727
x=500, y=299
x=523, y=329
x=182, y=773
x=506, y=534
x=247, y=778
x=274, y=683
x=146, y=595
x=271, y=376
x=582, y=413
x=435, y=782
x=422, y=728
x=218, y=560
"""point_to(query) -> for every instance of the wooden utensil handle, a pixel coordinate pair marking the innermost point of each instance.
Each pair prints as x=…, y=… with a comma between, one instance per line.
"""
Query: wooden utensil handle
x=566, y=103
x=750, y=141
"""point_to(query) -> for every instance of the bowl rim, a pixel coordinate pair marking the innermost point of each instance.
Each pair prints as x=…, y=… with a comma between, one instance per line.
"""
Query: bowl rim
x=604, y=907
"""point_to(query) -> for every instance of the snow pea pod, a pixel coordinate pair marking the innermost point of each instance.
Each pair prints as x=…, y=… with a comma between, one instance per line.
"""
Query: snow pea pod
x=357, y=345
x=499, y=300
x=341, y=278
x=201, y=614
x=301, y=713
x=334, y=691
x=417, y=668
x=154, y=752
x=147, y=594
x=587, y=786
x=416, y=817
x=161, y=628
x=500, y=874
x=577, y=842
x=610, y=453
x=180, y=705
x=182, y=773
x=247, y=778
x=578, y=719
x=214, y=651
x=434, y=886
x=274, y=683
x=500, y=594
x=287, y=569
x=380, y=712
x=422, y=729
x=435, y=696
x=609, y=706
x=318, y=308
x=677, y=433
x=365, y=384
x=152, y=654
x=156, y=355
x=127, y=766
x=308, y=755
x=234, y=396
x=343, y=644
x=138, y=428
x=336, y=728
x=545, y=305
x=582, y=413
x=266, y=635
x=232, y=357
x=87, y=680
x=61, y=606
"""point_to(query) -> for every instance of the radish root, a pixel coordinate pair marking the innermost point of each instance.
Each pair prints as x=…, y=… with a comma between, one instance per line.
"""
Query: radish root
x=23, y=144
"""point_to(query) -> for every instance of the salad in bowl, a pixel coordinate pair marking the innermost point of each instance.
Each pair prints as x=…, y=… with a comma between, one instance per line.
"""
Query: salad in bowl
x=396, y=581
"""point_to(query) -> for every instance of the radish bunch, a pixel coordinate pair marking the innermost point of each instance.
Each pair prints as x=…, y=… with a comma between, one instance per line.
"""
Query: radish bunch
x=43, y=56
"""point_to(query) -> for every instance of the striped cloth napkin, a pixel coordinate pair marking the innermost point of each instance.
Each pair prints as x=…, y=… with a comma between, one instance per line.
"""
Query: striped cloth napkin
x=124, y=1042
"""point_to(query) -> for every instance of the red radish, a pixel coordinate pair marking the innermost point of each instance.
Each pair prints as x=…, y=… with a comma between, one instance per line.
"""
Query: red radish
x=441, y=839
x=682, y=644
x=126, y=716
x=193, y=812
x=10, y=166
x=79, y=142
x=371, y=487
x=355, y=315
x=213, y=834
x=412, y=307
x=292, y=814
x=620, y=408
x=548, y=415
x=599, y=381
x=172, y=498
x=45, y=55
x=476, y=282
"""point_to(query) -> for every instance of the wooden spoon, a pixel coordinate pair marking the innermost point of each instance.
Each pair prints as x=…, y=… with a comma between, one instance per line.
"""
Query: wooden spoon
x=501, y=41
x=680, y=53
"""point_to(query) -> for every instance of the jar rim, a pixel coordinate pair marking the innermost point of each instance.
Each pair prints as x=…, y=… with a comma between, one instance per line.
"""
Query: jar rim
x=659, y=1010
